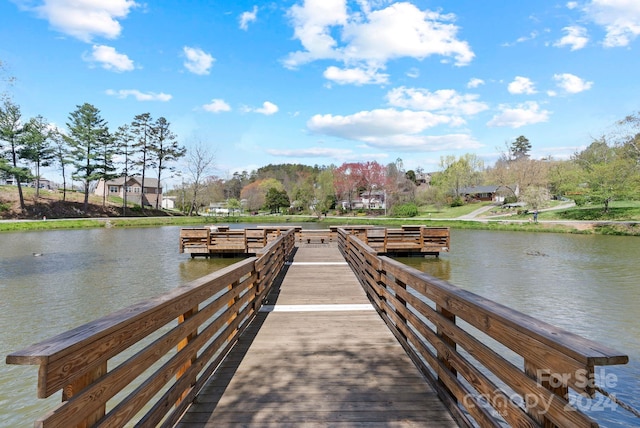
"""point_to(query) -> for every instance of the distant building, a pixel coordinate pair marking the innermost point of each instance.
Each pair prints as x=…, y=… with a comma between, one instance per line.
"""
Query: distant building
x=133, y=188
x=169, y=202
x=491, y=193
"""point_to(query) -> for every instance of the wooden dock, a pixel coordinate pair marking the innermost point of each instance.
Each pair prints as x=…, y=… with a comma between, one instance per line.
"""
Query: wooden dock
x=317, y=354
x=289, y=337
x=221, y=240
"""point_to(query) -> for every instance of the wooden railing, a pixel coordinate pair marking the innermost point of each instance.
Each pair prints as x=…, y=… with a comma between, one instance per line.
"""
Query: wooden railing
x=447, y=332
x=170, y=346
x=220, y=240
x=406, y=239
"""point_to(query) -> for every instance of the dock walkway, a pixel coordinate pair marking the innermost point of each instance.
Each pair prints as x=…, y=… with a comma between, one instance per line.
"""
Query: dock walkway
x=317, y=354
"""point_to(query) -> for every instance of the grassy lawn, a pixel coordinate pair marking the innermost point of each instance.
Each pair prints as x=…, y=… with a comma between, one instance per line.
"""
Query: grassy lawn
x=431, y=211
x=618, y=211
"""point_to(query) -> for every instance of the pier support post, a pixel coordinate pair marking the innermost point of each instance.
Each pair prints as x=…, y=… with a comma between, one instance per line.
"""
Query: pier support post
x=184, y=342
x=449, y=341
x=535, y=372
x=81, y=383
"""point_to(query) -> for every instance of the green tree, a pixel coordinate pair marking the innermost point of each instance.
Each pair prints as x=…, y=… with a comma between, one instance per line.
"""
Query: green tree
x=608, y=175
x=124, y=140
x=276, y=199
x=565, y=178
x=37, y=146
x=234, y=204
x=535, y=197
x=107, y=149
x=520, y=148
x=142, y=128
x=324, y=192
x=166, y=150
x=87, y=133
x=61, y=157
x=459, y=173
x=233, y=186
x=11, y=131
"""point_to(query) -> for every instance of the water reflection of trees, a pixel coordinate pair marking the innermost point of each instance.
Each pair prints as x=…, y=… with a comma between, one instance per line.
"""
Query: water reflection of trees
x=434, y=266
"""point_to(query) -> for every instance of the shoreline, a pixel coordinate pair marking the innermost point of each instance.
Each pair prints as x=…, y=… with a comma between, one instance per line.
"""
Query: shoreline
x=605, y=227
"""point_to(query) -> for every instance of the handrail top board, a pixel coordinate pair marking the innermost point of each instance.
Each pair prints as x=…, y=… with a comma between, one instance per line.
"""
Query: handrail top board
x=582, y=349
x=59, y=346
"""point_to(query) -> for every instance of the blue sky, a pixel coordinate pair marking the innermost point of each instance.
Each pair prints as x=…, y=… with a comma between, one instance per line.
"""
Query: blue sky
x=329, y=81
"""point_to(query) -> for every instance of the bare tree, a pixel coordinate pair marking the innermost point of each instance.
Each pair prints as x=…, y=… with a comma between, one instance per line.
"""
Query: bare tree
x=200, y=164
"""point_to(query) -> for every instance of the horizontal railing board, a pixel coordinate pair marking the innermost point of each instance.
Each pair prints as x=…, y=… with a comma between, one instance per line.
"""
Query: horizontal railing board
x=481, y=310
x=70, y=354
x=394, y=289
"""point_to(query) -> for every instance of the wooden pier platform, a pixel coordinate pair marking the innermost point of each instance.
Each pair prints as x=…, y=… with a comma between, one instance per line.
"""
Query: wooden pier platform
x=317, y=355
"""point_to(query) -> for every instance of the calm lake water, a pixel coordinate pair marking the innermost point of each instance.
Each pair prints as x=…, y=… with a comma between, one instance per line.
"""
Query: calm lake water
x=589, y=285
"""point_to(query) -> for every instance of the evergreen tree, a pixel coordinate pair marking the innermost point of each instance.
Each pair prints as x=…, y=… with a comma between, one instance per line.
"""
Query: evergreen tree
x=520, y=148
x=124, y=139
x=61, y=157
x=87, y=131
x=37, y=146
x=11, y=131
x=105, y=154
x=276, y=198
x=166, y=149
x=142, y=129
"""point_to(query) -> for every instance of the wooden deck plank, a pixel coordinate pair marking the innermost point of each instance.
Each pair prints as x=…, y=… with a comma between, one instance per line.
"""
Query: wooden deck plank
x=317, y=368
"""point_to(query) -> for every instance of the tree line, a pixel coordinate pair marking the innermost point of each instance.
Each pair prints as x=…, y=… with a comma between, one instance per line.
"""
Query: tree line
x=87, y=147
x=607, y=169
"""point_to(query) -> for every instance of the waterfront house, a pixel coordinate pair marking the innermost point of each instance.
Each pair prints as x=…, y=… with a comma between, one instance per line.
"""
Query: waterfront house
x=133, y=188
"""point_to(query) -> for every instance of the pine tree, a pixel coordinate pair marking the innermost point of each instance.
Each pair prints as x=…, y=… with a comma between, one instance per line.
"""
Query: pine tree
x=87, y=131
x=166, y=149
x=141, y=127
x=37, y=146
x=11, y=132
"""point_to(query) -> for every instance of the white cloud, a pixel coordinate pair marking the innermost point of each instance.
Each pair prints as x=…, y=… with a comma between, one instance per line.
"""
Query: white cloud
x=355, y=76
x=413, y=73
x=110, y=59
x=86, y=19
x=268, y=108
x=620, y=19
x=521, y=85
x=576, y=38
x=391, y=128
x=523, y=114
x=572, y=5
x=198, y=61
x=474, y=83
x=522, y=39
x=216, y=106
x=312, y=152
x=247, y=17
x=370, y=38
x=138, y=95
x=571, y=83
x=446, y=101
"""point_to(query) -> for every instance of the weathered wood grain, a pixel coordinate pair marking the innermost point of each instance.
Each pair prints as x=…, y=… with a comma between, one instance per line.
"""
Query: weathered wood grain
x=317, y=368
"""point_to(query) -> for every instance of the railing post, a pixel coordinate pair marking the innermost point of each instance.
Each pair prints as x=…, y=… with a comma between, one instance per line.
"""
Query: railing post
x=182, y=344
x=449, y=341
x=544, y=379
x=81, y=383
x=400, y=300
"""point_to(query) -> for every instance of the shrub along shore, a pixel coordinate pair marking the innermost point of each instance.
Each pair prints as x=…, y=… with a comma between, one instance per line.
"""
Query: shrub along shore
x=631, y=228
